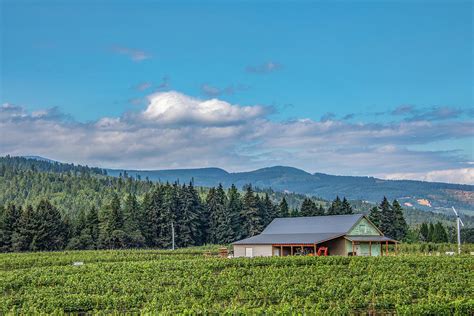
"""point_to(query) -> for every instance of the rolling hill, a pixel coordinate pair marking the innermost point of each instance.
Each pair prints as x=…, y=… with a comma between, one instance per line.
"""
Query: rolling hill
x=433, y=196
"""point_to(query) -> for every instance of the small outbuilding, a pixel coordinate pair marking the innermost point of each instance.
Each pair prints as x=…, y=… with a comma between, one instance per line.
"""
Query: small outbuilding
x=342, y=235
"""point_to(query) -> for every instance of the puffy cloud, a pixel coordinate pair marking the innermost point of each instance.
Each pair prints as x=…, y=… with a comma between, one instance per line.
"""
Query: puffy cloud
x=179, y=131
x=176, y=108
x=462, y=175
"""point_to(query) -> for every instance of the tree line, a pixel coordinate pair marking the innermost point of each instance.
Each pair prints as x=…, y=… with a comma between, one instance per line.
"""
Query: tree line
x=220, y=217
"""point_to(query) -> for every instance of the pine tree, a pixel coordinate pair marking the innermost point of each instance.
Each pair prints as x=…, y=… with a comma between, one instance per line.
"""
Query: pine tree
x=346, y=207
x=92, y=225
x=220, y=230
x=387, y=218
x=320, y=211
x=375, y=216
x=131, y=219
x=424, y=230
x=189, y=223
x=8, y=226
x=167, y=216
x=336, y=207
x=28, y=226
x=111, y=226
x=439, y=233
x=51, y=230
x=268, y=210
x=400, y=226
x=152, y=205
x=283, y=210
x=431, y=237
x=308, y=208
x=234, y=208
x=251, y=220
x=116, y=214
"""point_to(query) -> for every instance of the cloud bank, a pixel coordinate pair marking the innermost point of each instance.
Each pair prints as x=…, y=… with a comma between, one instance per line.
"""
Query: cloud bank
x=180, y=131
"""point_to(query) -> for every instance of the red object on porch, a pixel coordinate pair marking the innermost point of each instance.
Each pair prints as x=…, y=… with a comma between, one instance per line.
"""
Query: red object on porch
x=323, y=250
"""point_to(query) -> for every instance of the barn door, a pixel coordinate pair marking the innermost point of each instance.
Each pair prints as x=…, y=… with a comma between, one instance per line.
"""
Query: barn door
x=249, y=252
x=357, y=249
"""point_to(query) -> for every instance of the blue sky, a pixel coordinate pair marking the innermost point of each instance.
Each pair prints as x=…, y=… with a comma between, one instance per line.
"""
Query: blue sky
x=380, y=65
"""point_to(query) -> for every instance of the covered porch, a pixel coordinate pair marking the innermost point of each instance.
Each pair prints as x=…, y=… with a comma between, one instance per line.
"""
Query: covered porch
x=370, y=245
x=282, y=250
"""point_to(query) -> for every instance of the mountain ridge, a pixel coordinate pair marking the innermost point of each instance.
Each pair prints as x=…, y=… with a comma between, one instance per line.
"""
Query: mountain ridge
x=441, y=196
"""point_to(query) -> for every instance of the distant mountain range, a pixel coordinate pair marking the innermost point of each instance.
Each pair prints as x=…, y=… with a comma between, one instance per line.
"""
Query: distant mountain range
x=434, y=196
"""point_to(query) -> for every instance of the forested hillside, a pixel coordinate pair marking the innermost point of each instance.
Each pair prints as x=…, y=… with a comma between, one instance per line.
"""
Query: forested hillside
x=51, y=206
x=440, y=196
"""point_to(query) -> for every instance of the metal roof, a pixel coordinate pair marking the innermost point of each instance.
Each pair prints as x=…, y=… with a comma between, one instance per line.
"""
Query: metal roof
x=311, y=225
x=369, y=238
x=303, y=230
x=265, y=239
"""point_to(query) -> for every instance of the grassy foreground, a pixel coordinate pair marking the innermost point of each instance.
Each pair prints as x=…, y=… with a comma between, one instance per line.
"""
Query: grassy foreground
x=184, y=281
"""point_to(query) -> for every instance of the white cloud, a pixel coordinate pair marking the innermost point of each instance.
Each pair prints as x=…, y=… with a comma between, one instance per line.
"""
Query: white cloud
x=179, y=131
x=462, y=175
x=176, y=108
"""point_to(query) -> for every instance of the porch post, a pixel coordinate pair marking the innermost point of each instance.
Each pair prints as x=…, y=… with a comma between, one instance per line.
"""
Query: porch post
x=281, y=250
x=370, y=248
x=291, y=250
x=315, y=249
x=386, y=247
x=352, y=248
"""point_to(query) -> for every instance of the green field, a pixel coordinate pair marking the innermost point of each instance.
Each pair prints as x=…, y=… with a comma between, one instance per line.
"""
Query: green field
x=184, y=281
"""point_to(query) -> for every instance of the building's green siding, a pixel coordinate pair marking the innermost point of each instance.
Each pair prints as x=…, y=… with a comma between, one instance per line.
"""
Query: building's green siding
x=364, y=228
x=364, y=248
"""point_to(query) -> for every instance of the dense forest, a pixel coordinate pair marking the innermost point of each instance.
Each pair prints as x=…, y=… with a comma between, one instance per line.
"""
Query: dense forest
x=48, y=206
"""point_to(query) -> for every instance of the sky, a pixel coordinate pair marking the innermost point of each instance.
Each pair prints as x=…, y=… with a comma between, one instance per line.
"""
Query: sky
x=373, y=88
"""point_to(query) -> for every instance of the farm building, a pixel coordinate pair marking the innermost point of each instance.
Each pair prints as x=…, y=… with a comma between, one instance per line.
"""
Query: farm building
x=343, y=235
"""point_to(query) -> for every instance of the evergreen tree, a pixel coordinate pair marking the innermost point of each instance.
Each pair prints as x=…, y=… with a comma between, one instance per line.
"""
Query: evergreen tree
x=399, y=226
x=424, y=230
x=220, y=230
x=9, y=226
x=439, y=233
x=168, y=215
x=336, y=207
x=152, y=205
x=28, y=226
x=308, y=208
x=387, y=219
x=320, y=211
x=431, y=233
x=251, y=220
x=189, y=223
x=92, y=225
x=346, y=207
x=51, y=230
x=111, y=227
x=268, y=210
x=375, y=216
x=283, y=210
x=132, y=218
x=234, y=208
